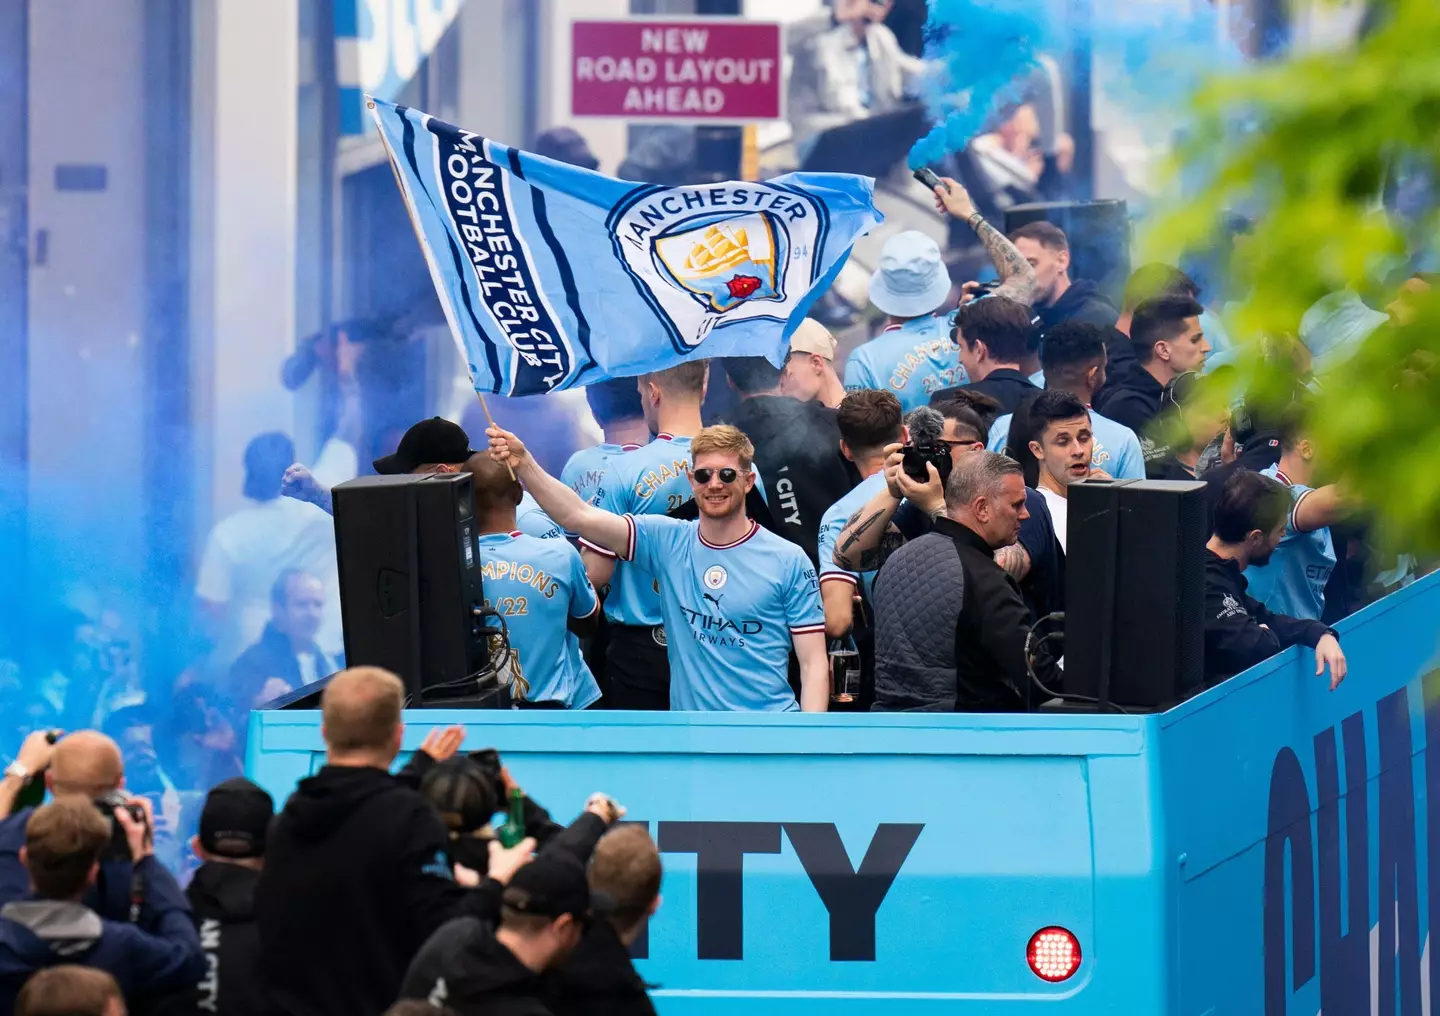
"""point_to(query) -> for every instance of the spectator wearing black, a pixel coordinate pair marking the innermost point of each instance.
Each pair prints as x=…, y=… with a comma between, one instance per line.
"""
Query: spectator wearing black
x=85, y=763
x=1193, y=414
x=231, y=846
x=599, y=978
x=356, y=875
x=70, y=990
x=63, y=844
x=1057, y=298
x=1168, y=341
x=480, y=970
x=950, y=623
x=797, y=450
x=993, y=334
x=286, y=655
x=1250, y=517
x=905, y=510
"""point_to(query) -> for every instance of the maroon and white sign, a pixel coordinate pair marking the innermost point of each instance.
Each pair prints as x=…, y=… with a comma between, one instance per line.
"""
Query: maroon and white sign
x=705, y=69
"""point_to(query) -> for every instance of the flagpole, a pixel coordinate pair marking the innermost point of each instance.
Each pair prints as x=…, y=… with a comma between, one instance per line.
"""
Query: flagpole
x=420, y=238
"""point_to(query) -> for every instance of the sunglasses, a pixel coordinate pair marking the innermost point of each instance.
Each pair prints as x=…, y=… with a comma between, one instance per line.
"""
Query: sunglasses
x=972, y=443
x=704, y=473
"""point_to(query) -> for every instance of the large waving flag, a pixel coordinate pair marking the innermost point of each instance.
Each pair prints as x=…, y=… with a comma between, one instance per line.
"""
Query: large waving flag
x=553, y=276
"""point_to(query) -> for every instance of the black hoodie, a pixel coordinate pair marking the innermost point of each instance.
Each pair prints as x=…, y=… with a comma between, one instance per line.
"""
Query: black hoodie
x=1133, y=399
x=598, y=978
x=222, y=898
x=1082, y=302
x=356, y=879
x=465, y=968
x=797, y=452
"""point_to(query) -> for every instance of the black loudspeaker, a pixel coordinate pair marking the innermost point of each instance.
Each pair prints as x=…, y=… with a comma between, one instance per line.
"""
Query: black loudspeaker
x=410, y=580
x=1135, y=591
x=1099, y=235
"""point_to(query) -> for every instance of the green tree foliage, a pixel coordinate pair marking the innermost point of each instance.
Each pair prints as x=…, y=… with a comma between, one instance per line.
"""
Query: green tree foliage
x=1309, y=143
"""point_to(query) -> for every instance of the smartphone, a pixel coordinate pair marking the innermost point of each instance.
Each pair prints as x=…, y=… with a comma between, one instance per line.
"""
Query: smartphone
x=929, y=179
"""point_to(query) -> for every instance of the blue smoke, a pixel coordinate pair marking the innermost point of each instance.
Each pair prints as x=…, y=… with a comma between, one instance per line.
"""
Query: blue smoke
x=1148, y=60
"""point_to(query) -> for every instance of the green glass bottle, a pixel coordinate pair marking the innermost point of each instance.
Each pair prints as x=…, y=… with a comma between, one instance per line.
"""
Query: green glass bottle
x=32, y=794
x=513, y=831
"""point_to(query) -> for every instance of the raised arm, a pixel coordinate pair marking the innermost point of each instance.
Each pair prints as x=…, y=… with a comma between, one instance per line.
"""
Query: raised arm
x=861, y=545
x=1321, y=507
x=1017, y=276
x=561, y=503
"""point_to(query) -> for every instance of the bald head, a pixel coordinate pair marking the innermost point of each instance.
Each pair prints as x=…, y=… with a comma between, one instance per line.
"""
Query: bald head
x=86, y=762
x=495, y=488
x=360, y=712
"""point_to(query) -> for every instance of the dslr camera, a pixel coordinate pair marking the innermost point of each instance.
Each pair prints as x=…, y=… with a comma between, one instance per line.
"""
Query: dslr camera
x=916, y=457
x=119, y=847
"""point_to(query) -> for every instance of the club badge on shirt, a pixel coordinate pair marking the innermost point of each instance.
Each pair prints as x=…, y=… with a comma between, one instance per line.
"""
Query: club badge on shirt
x=715, y=577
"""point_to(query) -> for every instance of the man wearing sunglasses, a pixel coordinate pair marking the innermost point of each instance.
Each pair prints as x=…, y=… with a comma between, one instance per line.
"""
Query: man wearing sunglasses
x=733, y=596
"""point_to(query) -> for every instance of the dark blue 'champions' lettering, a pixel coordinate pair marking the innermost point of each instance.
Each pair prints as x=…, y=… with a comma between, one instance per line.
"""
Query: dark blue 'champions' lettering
x=1336, y=869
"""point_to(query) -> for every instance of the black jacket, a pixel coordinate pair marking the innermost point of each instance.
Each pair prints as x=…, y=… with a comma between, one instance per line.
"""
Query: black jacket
x=1234, y=640
x=356, y=878
x=599, y=979
x=1082, y=302
x=464, y=967
x=950, y=628
x=797, y=450
x=1006, y=385
x=1133, y=399
x=272, y=655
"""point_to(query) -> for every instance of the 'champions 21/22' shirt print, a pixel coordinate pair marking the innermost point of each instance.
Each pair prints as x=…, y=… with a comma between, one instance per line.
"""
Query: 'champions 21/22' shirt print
x=913, y=359
x=538, y=585
x=585, y=470
x=651, y=480
x=729, y=611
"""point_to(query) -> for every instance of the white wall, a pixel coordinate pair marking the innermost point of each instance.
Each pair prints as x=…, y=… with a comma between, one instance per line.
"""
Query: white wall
x=243, y=230
x=86, y=300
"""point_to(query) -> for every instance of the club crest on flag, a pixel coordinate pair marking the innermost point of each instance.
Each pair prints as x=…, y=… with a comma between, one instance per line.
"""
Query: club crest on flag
x=724, y=261
x=706, y=257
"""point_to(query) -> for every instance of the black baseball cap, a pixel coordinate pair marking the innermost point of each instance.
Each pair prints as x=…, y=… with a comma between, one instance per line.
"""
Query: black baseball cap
x=549, y=886
x=435, y=440
x=236, y=819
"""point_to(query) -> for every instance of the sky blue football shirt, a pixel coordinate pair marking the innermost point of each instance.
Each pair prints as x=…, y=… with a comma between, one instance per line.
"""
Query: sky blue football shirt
x=538, y=585
x=1117, y=449
x=1293, y=583
x=729, y=612
x=586, y=469
x=833, y=521
x=531, y=520
x=913, y=359
x=651, y=480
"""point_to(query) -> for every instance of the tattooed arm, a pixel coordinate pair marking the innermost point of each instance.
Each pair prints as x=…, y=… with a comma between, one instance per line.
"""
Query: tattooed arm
x=861, y=546
x=1015, y=559
x=1017, y=276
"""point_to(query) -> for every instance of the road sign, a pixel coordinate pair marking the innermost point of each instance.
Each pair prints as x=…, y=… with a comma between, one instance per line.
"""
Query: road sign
x=707, y=70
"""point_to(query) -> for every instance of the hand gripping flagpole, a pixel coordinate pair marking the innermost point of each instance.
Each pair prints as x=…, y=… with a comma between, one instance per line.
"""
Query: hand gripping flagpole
x=430, y=261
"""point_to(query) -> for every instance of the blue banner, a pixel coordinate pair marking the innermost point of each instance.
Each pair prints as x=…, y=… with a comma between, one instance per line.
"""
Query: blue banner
x=553, y=276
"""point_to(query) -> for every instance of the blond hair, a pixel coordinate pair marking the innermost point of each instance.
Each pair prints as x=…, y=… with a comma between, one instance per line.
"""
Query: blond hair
x=686, y=378
x=723, y=438
x=626, y=868
x=360, y=709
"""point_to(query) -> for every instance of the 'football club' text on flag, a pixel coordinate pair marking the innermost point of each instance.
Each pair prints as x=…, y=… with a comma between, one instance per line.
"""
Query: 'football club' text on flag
x=553, y=276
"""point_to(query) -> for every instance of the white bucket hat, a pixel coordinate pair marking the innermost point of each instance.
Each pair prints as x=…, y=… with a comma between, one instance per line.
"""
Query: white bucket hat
x=911, y=279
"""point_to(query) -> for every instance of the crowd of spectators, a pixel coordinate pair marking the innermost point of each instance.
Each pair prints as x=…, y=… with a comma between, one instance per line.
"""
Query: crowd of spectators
x=366, y=890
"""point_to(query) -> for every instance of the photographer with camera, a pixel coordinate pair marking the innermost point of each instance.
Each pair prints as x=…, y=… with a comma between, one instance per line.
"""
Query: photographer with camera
x=907, y=507
x=950, y=624
x=356, y=873
x=64, y=841
x=85, y=763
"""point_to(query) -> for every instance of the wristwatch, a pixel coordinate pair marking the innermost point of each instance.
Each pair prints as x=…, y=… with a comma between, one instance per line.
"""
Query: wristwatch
x=17, y=770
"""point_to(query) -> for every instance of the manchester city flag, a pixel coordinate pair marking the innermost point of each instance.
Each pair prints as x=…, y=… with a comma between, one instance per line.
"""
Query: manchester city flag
x=553, y=276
